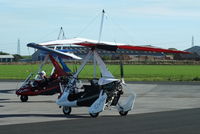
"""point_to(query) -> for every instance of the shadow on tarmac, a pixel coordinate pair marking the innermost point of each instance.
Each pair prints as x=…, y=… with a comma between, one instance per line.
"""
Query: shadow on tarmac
x=7, y=91
x=8, y=101
x=45, y=115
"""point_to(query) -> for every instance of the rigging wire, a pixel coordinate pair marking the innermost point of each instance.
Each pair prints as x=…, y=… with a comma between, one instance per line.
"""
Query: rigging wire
x=130, y=36
x=88, y=25
x=113, y=31
x=46, y=35
x=31, y=69
x=123, y=30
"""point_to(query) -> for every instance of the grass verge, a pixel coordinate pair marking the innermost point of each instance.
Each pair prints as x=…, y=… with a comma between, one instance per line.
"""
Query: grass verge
x=131, y=72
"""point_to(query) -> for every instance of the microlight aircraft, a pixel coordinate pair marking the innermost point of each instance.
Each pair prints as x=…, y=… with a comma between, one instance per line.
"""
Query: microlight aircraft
x=41, y=84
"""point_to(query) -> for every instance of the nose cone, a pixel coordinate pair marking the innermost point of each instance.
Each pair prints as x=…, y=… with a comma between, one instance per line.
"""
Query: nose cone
x=24, y=91
x=17, y=92
x=20, y=91
x=62, y=99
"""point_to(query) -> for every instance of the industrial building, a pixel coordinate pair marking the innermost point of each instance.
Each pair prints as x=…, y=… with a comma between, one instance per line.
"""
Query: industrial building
x=6, y=58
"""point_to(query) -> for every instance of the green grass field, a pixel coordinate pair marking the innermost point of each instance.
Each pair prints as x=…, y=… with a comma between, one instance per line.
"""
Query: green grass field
x=131, y=72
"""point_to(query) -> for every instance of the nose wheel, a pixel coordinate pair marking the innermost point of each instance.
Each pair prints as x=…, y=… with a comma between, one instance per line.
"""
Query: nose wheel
x=67, y=110
x=23, y=98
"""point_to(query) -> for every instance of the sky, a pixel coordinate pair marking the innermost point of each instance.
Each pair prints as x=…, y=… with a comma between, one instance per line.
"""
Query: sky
x=161, y=23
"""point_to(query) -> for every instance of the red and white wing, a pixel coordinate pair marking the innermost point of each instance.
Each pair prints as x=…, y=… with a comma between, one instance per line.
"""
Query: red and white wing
x=111, y=46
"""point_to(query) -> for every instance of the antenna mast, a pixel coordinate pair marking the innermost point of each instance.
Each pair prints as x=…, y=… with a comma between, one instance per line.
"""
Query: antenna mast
x=192, y=41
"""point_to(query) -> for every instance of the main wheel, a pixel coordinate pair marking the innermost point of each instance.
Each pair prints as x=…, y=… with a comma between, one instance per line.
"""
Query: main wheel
x=123, y=113
x=94, y=115
x=24, y=98
x=67, y=110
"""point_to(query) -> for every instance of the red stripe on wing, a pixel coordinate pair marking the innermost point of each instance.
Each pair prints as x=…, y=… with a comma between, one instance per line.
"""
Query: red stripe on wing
x=141, y=48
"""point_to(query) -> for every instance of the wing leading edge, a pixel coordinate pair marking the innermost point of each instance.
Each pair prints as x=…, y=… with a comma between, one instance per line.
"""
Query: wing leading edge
x=52, y=51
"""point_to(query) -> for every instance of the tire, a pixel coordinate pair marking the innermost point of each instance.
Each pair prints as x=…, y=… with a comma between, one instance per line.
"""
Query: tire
x=94, y=115
x=23, y=98
x=67, y=110
x=123, y=113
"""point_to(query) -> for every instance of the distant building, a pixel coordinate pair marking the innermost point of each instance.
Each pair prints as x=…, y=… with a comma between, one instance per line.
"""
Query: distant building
x=6, y=58
x=195, y=54
x=194, y=49
x=37, y=56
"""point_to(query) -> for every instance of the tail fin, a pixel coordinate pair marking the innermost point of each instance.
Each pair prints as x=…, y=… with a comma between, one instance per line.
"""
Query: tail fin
x=58, y=70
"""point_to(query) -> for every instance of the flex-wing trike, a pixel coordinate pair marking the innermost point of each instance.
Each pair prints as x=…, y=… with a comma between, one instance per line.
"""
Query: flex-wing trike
x=104, y=92
x=41, y=84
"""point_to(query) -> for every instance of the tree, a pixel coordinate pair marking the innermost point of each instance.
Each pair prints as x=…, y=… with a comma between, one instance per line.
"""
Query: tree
x=17, y=57
x=3, y=53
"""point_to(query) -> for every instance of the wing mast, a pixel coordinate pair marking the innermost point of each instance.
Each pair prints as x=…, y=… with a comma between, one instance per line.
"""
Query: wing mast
x=100, y=33
x=101, y=25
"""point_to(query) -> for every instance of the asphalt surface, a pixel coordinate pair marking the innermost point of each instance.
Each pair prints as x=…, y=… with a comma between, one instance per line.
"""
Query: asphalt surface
x=174, y=122
x=160, y=108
